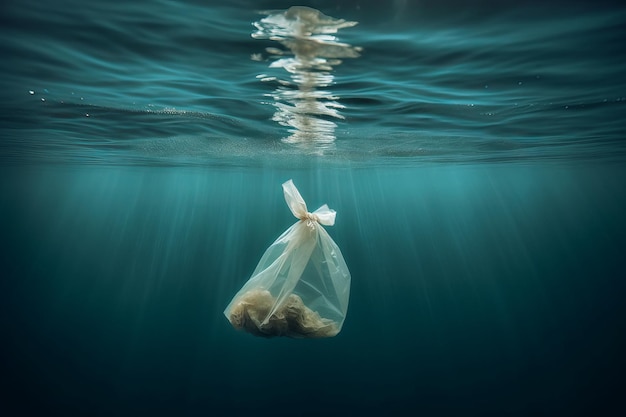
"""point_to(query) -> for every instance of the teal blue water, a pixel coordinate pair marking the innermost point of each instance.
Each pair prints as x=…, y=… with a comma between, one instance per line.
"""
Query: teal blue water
x=474, y=153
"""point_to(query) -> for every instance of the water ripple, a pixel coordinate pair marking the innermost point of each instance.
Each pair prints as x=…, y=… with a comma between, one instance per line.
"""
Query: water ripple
x=310, y=51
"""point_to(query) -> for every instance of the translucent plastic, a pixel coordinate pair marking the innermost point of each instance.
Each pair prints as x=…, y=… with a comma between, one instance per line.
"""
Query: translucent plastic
x=301, y=286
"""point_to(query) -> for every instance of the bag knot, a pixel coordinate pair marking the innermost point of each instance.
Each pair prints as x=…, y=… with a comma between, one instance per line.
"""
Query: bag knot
x=310, y=219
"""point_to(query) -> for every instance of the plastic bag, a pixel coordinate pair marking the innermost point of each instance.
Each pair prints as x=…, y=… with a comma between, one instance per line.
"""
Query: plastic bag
x=301, y=286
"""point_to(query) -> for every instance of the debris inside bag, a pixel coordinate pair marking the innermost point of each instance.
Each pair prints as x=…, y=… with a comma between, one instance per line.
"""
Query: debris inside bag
x=291, y=319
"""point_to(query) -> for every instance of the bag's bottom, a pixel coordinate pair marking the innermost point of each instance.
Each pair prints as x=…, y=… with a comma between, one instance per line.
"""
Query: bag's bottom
x=292, y=319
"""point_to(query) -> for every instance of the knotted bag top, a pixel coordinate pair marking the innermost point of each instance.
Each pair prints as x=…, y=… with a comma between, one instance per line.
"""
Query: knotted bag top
x=323, y=215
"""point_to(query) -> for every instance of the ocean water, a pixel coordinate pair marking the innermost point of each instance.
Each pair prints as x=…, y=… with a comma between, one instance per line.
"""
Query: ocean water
x=474, y=151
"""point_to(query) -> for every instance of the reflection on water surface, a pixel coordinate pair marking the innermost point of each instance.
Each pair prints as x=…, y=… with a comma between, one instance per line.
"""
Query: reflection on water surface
x=310, y=50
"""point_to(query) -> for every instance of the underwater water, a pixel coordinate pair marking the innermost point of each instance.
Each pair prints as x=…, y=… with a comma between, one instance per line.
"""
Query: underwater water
x=474, y=152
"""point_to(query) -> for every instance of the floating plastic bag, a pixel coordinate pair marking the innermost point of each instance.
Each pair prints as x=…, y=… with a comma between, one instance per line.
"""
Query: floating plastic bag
x=301, y=286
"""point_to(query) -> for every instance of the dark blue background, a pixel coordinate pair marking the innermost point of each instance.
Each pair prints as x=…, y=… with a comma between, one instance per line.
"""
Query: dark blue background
x=477, y=290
